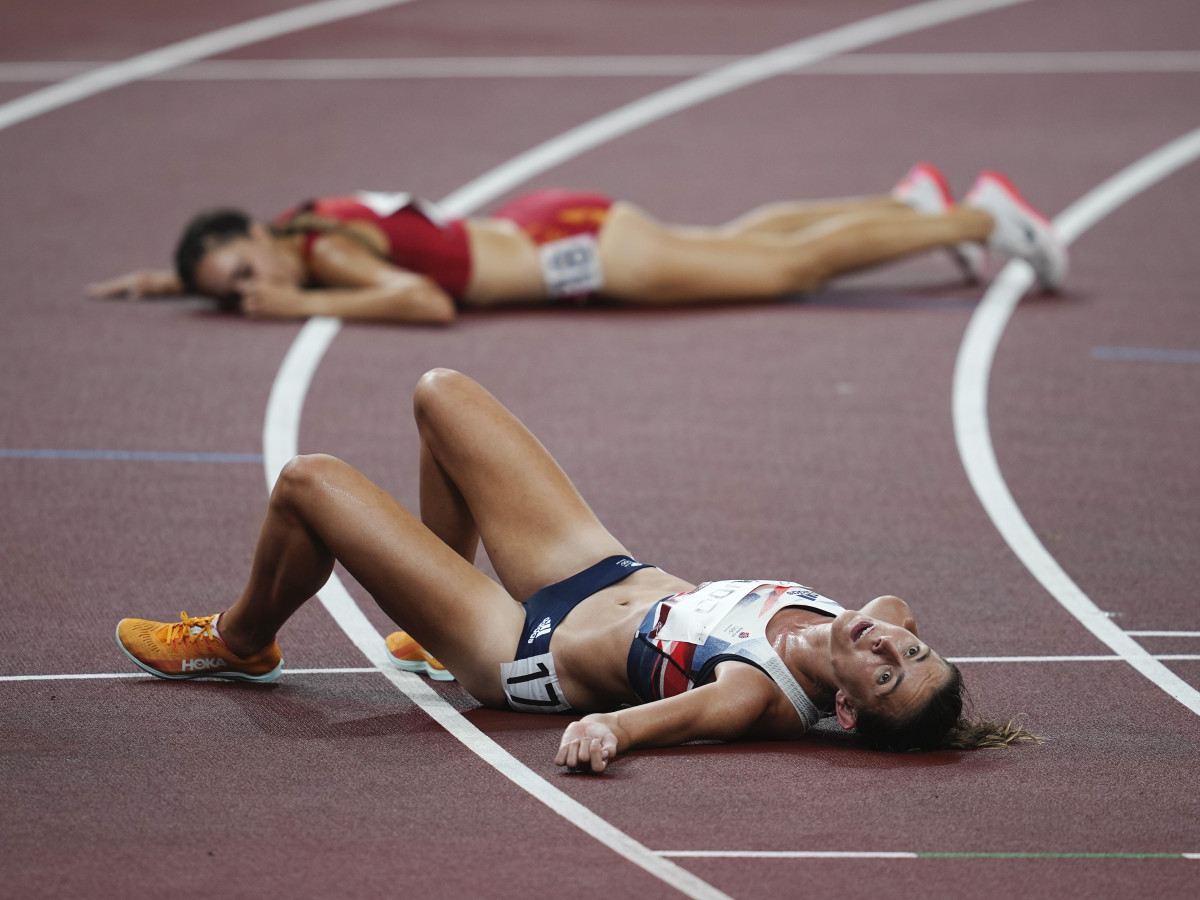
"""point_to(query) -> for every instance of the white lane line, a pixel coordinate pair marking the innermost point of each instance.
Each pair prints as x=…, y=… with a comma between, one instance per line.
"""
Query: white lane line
x=282, y=422
x=101, y=676
x=702, y=88
x=1068, y=63
x=147, y=65
x=1161, y=657
x=372, y=670
x=889, y=854
x=788, y=854
x=971, y=429
x=76, y=676
x=1083, y=63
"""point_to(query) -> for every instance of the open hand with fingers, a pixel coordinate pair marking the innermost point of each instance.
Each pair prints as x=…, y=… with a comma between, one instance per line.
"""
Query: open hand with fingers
x=137, y=285
x=589, y=744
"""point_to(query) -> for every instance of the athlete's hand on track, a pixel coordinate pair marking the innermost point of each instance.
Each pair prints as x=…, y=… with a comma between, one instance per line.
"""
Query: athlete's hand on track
x=263, y=300
x=136, y=285
x=587, y=746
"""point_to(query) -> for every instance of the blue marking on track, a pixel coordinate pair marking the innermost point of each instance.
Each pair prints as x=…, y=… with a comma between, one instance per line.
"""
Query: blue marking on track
x=130, y=455
x=1145, y=354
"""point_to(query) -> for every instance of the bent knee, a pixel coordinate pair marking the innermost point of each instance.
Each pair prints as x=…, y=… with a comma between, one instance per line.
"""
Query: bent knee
x=302, y=474
x=438, y=389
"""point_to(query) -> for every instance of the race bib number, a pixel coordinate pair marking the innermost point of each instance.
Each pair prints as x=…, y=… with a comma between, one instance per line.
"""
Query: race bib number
x=571, y=267
x=531, y=685
x=694, y=615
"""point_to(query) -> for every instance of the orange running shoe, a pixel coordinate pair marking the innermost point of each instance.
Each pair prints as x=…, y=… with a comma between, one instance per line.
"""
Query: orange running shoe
x=190, y=649
x=412, y=657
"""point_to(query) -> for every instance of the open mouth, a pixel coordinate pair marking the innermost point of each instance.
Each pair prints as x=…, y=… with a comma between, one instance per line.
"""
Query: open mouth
x=860, y=629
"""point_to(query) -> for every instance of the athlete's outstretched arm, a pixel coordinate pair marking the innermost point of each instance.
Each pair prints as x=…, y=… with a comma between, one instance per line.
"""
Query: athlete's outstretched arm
x=137, y=285
x=727, y=708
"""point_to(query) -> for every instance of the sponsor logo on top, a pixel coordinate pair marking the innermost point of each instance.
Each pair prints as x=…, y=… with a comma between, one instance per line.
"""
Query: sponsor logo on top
x=806, y=593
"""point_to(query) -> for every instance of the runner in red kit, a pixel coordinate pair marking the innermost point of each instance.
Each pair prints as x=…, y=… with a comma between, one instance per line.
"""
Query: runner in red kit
x=394, y=257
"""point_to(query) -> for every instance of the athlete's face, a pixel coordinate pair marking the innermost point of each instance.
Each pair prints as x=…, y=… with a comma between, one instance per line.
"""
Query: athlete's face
x=232, y=268
x=881, y=667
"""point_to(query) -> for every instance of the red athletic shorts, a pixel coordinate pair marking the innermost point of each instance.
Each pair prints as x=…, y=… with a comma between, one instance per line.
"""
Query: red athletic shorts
x=552, y=214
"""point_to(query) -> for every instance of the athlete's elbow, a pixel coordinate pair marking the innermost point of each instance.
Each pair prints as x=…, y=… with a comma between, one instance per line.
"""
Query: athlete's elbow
x=442, y=312
x=430, y=305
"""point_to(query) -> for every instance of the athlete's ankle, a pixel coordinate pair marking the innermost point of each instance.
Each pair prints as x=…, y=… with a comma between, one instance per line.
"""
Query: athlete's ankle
x=235, y=639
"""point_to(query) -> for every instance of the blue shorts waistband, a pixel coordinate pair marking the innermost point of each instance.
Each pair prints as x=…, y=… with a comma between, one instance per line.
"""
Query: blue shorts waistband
x=549, y=606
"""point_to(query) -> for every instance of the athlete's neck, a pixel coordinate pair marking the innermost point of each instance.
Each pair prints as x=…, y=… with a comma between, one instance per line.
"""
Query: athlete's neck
x=801, y=638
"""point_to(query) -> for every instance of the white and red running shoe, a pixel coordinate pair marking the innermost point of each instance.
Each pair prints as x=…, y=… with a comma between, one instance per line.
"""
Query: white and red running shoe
x=924, y=188
x=1020, y=230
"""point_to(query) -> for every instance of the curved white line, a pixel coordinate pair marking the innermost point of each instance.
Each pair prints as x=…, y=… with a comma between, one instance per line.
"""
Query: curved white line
x=172, y=56
x=971, y=431
x=705, y=87
x=282, y=417
x=281, y=425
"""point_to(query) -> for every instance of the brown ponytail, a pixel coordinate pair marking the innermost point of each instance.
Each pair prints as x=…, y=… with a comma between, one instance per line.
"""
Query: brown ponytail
x=940, y=725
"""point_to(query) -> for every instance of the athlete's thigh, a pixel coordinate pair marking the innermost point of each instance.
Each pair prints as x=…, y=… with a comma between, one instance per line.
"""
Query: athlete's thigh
x=536, y=527
x=459, y=614
x=648, y=262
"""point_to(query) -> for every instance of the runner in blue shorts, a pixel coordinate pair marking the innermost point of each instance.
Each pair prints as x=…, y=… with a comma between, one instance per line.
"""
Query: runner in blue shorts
x=575, y=623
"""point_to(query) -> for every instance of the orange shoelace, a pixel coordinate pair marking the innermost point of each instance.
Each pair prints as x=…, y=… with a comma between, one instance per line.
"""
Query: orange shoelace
x=190, y=629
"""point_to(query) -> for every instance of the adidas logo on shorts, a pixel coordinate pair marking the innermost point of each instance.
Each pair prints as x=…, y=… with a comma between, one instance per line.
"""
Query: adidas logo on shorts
x=543, y=628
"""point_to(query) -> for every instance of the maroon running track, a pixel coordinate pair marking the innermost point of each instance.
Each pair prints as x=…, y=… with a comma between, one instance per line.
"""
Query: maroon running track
x=802, y=440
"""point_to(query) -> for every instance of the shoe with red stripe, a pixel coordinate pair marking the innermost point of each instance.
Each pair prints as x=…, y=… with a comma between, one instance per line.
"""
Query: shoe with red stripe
x=410, y=656
x=192, y=648
x=924, y=188
x=1020, y=230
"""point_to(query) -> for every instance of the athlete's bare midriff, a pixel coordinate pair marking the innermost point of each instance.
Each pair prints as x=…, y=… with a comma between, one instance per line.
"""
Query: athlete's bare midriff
x=505, y=267
x=591, y=645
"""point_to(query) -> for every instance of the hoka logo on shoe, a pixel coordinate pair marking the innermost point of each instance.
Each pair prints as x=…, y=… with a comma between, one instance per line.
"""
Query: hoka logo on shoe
x=202, y=664
x=543, y=628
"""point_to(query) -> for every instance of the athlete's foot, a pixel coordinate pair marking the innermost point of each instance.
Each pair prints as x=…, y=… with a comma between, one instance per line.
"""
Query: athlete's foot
x=410, y=656
x=1020, y=230
x=193, y=648
x=924, y=189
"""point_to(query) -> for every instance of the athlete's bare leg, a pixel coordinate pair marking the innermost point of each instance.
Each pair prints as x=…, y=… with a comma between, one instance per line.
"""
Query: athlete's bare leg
x=323, y=509
x=785, y=217
x=485, y=475
x=646, y=262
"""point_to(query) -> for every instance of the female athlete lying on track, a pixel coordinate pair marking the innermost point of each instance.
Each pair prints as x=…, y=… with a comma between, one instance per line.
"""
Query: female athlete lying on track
x=575, y=622
x=391, y=257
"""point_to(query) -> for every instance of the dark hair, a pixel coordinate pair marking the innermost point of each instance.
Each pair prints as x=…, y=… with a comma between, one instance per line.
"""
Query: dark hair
x=206, y=230
x=939, y=725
